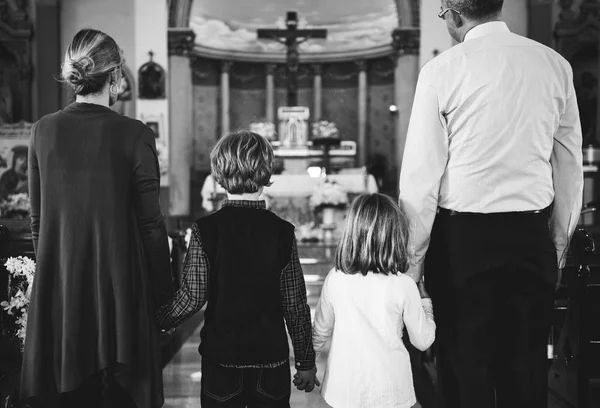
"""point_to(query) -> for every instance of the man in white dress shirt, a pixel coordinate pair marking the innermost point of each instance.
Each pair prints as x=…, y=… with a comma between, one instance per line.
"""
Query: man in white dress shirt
x=492, y=177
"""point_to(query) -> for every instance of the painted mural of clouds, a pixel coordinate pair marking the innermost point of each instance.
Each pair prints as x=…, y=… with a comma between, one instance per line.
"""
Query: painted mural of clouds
x=367, y=32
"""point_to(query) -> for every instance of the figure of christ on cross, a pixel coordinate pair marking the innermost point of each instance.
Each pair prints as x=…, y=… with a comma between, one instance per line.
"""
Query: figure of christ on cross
x=291, y=37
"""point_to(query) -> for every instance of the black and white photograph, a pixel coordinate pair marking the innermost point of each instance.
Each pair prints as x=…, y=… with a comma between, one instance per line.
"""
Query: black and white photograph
x=299, y=204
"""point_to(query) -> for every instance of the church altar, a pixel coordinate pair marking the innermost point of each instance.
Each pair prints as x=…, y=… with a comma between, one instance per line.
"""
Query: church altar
x=289, y=194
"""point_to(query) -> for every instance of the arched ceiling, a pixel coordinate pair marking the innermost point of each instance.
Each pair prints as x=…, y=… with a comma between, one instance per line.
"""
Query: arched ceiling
x=352, y=25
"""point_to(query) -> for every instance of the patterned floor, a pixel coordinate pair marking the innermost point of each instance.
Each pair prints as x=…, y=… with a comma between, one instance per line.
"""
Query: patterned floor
x=182, y=375
x=182, y=380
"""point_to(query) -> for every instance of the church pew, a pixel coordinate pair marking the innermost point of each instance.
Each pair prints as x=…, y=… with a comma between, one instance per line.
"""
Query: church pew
x=574, y=375
x=14, y=241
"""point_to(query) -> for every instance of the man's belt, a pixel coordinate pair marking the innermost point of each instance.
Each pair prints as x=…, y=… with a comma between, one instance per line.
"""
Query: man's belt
x=545, y=211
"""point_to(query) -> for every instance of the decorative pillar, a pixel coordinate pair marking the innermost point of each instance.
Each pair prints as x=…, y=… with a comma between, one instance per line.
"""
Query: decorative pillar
x=362, y=112
x=270, y=106
x=46, y=88
x=406, y=72
x=225, y=113
x=180, y=44
x=318, y=92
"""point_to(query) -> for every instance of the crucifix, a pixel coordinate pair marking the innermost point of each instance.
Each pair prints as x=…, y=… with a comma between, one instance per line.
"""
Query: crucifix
x=291, y=37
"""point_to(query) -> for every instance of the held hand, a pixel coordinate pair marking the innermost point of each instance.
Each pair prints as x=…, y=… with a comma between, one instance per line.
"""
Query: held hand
x=306, y=380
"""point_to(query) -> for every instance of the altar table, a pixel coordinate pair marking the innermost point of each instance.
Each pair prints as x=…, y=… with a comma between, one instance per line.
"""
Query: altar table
x=289, y=194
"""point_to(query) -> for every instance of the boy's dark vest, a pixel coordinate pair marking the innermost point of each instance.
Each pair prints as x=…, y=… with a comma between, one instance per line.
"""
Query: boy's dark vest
x=247, y=249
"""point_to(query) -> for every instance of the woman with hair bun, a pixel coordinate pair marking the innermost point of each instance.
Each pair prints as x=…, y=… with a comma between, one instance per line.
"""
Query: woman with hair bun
x=103, y=262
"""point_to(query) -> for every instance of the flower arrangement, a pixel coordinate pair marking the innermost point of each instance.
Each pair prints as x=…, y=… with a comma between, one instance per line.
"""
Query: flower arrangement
x=309, y=232
x=324, y=128
x=17, y=206
x=265, y=129
x=21, y=272
x=328, y=194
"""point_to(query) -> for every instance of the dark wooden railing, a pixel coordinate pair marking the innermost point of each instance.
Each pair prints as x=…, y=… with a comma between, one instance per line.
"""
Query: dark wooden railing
x=16, y=241
x=574, y=377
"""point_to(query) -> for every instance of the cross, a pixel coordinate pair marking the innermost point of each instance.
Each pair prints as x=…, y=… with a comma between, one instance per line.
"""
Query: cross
x=291, y=37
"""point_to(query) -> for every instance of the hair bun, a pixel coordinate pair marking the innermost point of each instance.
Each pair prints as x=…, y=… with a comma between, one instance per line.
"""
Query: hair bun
x=80, y=70
x=89, y=61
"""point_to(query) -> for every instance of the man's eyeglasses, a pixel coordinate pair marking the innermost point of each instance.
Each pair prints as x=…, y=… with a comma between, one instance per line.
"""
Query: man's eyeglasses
x=442, y=13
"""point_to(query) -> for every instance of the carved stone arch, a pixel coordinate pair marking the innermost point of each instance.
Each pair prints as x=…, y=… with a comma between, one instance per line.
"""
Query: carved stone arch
x=408, y=13
x=179, y=13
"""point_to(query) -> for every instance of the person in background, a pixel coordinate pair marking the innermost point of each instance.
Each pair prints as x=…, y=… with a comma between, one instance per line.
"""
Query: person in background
x=366, y=302
x=243, y=260
x=103, y=262
x=492, y=178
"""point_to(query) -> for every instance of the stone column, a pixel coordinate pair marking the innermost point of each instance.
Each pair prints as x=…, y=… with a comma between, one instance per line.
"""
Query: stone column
x=47, y=61
x=225, y=114
x=362, y=113
x=406, y=72
x=270, y=100
x=318, y=92
x=181, y=123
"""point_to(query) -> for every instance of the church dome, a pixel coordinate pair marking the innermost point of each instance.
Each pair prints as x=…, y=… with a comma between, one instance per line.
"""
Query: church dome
x=232, y=25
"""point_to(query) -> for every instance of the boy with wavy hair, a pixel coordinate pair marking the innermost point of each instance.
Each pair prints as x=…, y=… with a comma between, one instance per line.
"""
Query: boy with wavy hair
x=244, y=261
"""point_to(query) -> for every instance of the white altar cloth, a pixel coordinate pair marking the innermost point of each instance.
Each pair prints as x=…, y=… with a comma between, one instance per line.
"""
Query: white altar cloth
x=296, y=185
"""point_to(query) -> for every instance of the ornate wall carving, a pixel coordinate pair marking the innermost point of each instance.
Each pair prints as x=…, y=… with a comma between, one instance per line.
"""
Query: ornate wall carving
x=16, y=30
x=406, y=41
x=576, y=37
x=180, y=41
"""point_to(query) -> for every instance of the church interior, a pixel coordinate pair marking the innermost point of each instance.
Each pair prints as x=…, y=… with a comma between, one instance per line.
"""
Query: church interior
x=330, y=85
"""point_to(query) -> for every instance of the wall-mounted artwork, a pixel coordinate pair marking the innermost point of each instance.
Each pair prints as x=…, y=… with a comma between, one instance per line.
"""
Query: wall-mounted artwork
x=14, y=142
x=156, y=122
x=151, y=80
x=351, y=25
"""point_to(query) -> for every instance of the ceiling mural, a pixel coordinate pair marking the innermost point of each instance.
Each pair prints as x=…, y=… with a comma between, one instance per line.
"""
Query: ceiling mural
x=352, y=25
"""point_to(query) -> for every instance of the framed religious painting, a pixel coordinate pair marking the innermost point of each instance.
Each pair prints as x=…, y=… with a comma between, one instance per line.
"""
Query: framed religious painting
x=14, y=187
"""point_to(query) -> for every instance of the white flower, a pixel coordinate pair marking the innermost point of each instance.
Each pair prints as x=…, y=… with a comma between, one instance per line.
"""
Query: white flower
x=20, y=267
x=328, y=194
x=324, y=128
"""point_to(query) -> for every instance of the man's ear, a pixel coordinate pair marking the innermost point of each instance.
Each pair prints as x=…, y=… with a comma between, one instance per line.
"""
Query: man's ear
x=457, y=19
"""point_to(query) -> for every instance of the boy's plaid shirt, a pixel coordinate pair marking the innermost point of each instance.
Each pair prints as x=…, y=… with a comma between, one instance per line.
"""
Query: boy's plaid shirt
x=193, y=294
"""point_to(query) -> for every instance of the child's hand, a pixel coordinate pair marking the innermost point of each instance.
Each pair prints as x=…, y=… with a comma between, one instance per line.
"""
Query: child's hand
x=306, y=380
x=422, y=291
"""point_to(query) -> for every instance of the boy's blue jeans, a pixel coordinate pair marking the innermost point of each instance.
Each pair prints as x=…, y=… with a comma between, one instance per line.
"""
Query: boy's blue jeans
x=226, y=387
